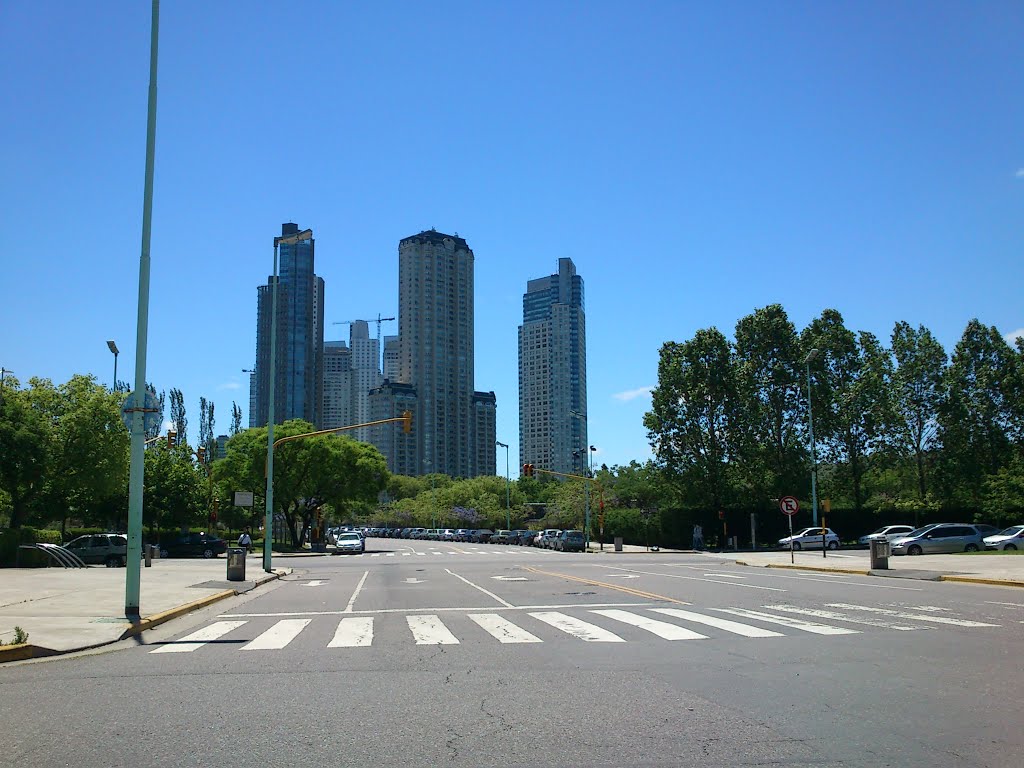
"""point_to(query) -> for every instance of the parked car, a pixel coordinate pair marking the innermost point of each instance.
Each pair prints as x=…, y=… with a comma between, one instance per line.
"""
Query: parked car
x=350, y=543
x=548, y=536
x=522, y=538
x=889, y=532
x=109, y=549
x=569, y=541
x=501, y=537
x=194, y=545
x=1011, y=538
x=810, y=538
x=482, y=536
x=934, y=539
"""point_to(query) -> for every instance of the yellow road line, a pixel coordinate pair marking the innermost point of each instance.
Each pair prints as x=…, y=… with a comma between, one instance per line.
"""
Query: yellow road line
x=616, y=587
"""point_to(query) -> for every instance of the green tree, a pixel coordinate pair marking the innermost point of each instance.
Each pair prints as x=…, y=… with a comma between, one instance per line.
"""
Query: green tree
x=918, y=391
x=236, y=419
x=178, y=417
x=174, y=489
x=770, y=415
x=25, y=451
x=976, y=419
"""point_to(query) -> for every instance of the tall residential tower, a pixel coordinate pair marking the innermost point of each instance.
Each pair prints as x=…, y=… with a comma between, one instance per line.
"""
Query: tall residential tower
x=553, y=373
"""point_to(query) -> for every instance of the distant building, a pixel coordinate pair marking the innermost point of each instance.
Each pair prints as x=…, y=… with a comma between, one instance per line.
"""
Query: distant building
x=389, y=401
x=435, y=363
x=222, y=442
x=553, y=373
x=298, y=381
x=337, y=407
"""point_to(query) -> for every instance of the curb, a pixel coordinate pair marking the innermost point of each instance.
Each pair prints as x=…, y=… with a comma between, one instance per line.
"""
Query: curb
x=982, y=580
x=29, y=651
x=816, y=569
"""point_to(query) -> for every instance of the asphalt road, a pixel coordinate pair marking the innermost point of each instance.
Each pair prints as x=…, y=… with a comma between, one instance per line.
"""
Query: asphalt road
x=420, y=654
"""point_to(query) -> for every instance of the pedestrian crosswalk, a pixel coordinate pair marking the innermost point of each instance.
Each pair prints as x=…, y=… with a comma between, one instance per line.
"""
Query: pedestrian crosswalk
x=590, y=625
x=498, y=552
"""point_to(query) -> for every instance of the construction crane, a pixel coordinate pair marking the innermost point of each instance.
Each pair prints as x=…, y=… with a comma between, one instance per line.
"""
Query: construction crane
x=378, y=321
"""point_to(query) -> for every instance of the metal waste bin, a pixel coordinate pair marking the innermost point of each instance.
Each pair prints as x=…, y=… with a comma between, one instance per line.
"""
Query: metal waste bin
x=618, y=543
x=236, y=563
x=880, y=552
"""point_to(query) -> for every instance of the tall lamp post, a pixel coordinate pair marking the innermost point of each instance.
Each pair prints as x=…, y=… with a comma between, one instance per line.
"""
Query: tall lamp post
x=601, y=515
x=3, y=372
x=508, y=505
x=811, y=357
x=113, y=348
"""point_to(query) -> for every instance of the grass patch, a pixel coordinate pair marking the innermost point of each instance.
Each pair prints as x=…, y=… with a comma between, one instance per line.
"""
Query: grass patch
x=1008, y=552
x=20, y=637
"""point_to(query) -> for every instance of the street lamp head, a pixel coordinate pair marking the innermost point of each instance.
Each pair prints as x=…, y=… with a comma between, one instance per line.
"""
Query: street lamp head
x=812, y=355
x=112, y=346
x=592, y=449
x=500, y=444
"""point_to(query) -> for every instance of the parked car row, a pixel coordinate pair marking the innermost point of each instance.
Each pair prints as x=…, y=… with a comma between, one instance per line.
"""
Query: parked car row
x=549, y=538
x=943, y=538
x=111, y=549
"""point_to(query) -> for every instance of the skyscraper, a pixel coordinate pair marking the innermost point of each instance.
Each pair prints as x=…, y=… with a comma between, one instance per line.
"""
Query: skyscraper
x=553, y=372
x=391, y=351
x=337, y=409
x=350, y=372
x=435, y=361
x=298, y=386
x=365, y=374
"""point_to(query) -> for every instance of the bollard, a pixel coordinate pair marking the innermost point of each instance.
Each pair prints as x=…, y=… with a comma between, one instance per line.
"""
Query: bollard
x=148, y=552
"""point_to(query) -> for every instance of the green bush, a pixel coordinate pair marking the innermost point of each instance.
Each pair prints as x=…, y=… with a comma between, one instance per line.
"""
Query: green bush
x=11, y=539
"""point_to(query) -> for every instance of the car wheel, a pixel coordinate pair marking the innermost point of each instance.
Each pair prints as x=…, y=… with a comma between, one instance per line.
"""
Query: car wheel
x=1011, y=546
x=113, y=562
x=796, y=545
x=971, y=548
x=163, y=553
x=207, y=554
x=914, y=550
x=833, y=545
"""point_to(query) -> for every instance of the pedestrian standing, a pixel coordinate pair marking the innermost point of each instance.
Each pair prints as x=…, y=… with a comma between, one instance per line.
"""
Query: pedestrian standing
x=245, y=540
x=698, y=538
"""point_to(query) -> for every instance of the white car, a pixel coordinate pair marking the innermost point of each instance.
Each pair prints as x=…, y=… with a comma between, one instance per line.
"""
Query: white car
x=350, y=542
x=889, y=532
x=1011, y=538
x=810, y=538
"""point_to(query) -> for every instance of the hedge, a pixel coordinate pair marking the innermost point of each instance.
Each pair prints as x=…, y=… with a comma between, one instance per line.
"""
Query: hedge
x=13, y=538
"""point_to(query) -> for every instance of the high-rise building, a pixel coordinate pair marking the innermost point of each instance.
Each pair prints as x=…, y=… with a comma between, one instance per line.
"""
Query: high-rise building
x=337, y=409
x=365, y=374
x=391, y=350
x=298, y=385
x=350, y=372
x=553, y=372
x=389, y=401
x=435, y=361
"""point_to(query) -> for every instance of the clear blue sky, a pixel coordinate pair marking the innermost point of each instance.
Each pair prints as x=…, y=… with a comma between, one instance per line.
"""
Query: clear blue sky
x=696, y=161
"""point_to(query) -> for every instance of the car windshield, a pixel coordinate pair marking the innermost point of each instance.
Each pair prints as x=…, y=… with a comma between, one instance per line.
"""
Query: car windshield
x=920, y=531
x=349, y=537
x=1013, y=530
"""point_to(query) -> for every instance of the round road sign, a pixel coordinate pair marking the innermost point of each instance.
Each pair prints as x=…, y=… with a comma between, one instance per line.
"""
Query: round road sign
x=789, y=505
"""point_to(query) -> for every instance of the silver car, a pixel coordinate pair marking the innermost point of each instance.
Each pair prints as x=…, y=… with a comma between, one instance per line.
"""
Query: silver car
x=934, y=539
x=350, y=542
x=1011, y=538
x=889, y=532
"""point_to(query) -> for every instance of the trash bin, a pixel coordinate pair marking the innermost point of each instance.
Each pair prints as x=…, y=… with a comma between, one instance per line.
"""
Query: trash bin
x=618, y=543
x=236, y=563
x=879, y=554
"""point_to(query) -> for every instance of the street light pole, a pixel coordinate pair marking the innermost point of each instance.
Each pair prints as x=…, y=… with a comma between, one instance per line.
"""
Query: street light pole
x=136, y=472
x=811, y=356
x=268, y=520
x=3, y=372
x=508, y=506
x=113, y=348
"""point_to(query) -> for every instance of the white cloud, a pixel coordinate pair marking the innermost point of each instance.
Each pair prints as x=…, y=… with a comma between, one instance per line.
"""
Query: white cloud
x=1020, y=173
x=230, y=385
x=632, y=394
x=1012, y=336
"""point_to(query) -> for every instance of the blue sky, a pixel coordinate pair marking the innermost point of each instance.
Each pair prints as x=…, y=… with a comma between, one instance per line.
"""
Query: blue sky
x=695, y=160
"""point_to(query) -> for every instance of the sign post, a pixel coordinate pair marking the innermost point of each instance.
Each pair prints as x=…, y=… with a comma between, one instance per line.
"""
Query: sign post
x=789, y=506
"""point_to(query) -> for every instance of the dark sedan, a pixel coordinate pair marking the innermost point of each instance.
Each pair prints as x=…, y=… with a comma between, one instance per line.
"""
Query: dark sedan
x=194, y=545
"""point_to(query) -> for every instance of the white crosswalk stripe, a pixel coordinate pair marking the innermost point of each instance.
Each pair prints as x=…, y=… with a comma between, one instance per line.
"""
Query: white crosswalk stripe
x=822, y=614
x=789, y=621
x=278, y=636
x=912, y=616
x=199, y=638
x=660, y=628
x=430, y=630
x=353, y=632
x=502, y=629
x=735, y=627
x=577, y=627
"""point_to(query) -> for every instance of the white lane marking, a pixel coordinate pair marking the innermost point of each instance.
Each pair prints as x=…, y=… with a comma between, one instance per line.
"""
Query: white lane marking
x=392, y=554
x=725, y=575
x=660, y=628
x=818, y=613
x=421, y=553
x=315, y=583
x=997, y=602
x=912, y=616
x=737, y=628
x=477, y=586
x=445, y=609
x=414, y=580
x=503, y=629
x=694, y=578
x=577, y=627
x=625, y=575
x=787, y=621
x=278, y=636
x=404, y=554
x=353, y=632
x=837, y=579
x=429, y=630
x=199, y=638
x=359, y=588
x=930, y=608
x=439, y=553
x=510, y=578
x=375, y=554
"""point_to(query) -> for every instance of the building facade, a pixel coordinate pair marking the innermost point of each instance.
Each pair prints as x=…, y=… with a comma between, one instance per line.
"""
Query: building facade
x=337, y=407
x=389, y=401
x=298, y=376
x=553, y=373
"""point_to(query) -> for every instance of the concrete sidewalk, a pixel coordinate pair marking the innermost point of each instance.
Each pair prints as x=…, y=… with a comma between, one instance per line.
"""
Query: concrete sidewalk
x=1000, y=569
x=70, y=609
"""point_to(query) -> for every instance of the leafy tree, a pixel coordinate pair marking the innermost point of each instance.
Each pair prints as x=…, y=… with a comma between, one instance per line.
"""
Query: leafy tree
x=918, y=392
x=976, y=419
x=1003, y=501
x=691, y=416
x=770, y=417
x=174, y=488
x=178, y=417
x=236, y=419
x=160, y=399
x=25, y=455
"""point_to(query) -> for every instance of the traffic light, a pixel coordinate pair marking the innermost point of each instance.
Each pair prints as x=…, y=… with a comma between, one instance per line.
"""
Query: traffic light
x=172, y=437
x=407, y=421
x=527, y=470
x=826, y=505
x=721, y=514
x=201, y=453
